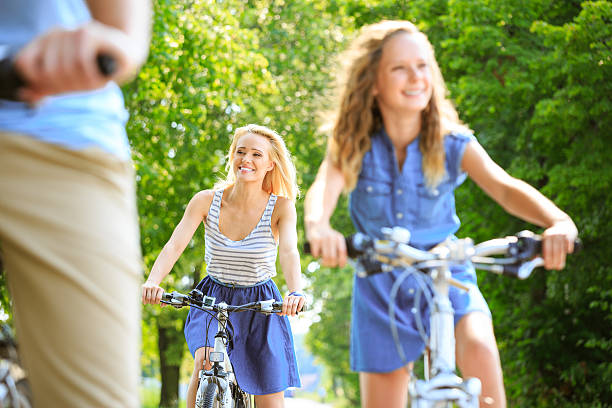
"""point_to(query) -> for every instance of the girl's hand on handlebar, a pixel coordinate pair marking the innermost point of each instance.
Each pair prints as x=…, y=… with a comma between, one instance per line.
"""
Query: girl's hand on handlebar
x=63, y=60
x=152, y=294
x=292, y=304
x=327, y=243
x=557, y=242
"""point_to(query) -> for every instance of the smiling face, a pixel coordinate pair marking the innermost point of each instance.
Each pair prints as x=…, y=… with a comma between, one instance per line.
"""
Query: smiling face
x=251, y=159
x=404, y=76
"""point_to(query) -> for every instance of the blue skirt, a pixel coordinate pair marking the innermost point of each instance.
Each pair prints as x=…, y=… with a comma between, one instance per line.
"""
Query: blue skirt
x=372, y=346
x=262, y=351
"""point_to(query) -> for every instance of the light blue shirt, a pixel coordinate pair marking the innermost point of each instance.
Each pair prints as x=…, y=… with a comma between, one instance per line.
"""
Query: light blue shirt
x=74, y=120
x=386, y=197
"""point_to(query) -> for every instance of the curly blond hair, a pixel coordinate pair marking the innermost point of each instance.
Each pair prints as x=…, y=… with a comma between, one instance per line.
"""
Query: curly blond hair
x=281, y=180
x=355, y=116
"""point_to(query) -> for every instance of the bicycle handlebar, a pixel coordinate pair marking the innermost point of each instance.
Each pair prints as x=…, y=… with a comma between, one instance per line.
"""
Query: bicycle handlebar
x=11, y=80
x=196, y=299
x=521, y=253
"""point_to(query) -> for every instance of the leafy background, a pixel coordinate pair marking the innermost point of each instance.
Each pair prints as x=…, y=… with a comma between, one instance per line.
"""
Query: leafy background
x=532, y=78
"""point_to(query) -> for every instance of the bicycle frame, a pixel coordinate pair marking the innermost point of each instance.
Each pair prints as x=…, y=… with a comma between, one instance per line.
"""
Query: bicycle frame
x=444, y=386
x=221, y=372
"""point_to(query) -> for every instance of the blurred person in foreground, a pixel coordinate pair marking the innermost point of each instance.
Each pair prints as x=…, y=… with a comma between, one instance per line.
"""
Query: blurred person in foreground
x=68, y=220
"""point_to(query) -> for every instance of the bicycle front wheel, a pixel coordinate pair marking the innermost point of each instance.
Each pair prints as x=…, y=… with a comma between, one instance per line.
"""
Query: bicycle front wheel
x=210, y=396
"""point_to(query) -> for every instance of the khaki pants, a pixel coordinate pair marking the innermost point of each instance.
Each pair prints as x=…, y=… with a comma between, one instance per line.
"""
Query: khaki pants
x=69, y=238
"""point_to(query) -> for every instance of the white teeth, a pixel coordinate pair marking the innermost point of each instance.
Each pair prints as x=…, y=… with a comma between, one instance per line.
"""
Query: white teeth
x=412, y=93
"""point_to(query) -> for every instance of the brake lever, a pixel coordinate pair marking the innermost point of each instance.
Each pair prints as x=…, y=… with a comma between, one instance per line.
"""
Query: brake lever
x=177, y=304
x=527, y=267
x=366, y=266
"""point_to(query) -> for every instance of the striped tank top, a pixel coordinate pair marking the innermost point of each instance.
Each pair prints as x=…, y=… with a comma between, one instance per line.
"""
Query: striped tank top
x=246, y=262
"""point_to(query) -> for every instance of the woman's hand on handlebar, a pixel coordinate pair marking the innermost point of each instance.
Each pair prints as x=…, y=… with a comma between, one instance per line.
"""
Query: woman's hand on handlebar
x=63, y=60
x=152, y=294
x=557, y=242
x=326, y=243
x=292, y=304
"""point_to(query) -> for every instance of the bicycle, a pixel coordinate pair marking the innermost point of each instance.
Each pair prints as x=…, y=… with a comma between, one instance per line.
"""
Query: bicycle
x=218, y=386
x=14, y=388
x=441, y=386
x=11, y=80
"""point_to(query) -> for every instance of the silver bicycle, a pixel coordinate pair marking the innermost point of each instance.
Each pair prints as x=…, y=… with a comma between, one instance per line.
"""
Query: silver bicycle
x=441, y=386
x=218, y=387
x=14, y=388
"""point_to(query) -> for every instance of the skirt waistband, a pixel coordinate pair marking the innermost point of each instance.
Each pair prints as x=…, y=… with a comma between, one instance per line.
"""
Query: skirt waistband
x=236, y=285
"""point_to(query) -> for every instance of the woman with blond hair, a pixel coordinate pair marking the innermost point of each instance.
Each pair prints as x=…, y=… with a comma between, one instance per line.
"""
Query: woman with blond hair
x=248, y=218
x=398, y=146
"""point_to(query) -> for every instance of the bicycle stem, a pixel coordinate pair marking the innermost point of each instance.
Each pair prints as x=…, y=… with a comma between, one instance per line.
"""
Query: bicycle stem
x=442, y=324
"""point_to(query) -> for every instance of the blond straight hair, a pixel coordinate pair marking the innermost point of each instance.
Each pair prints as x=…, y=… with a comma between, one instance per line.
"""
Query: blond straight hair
x=281, y=180
x=356, y=116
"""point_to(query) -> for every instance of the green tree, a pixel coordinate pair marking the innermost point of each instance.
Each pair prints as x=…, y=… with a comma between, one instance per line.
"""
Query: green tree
x=531, y=82
x=301, y=39
x=203, y=78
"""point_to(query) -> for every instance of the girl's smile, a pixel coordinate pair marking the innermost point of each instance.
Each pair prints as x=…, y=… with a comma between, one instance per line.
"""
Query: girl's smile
x=251, y=158
x=403, y=78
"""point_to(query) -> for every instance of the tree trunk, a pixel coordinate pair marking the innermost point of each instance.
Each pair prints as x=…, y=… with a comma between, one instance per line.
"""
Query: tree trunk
x=169, y=397
x=196, y=276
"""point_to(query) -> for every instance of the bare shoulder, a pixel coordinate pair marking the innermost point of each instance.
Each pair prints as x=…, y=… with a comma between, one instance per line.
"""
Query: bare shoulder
x=284, y=207
x=201, y=201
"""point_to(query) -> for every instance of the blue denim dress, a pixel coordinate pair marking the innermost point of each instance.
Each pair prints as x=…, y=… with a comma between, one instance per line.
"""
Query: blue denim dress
x=385, y=197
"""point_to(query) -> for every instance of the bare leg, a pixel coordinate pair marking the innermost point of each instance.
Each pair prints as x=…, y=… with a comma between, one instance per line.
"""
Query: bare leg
x=276, y=400
x=477, y=356
x=384, y=390
x=192, y=389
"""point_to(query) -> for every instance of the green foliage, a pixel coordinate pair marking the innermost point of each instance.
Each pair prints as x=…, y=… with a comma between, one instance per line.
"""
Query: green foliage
x=531, y=78
x=214, y=66
x=204, y=77
x=329, y=337
x=531, y=82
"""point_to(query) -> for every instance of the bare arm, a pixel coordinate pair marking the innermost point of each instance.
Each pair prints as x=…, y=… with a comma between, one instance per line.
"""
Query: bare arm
x=133, y=18
x=64, y=60
x=195, y=213
x=321, y=201
x=522, y=200
x=289, y=256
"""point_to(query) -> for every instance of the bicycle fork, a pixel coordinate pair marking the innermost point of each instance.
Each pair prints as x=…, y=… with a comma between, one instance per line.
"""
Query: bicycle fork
x=444, y=387
x=220, y=372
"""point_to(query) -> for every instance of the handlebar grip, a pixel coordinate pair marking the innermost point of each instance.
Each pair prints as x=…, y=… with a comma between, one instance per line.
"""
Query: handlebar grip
x=530, y=245
x=106, y=64
x=278, y=306
x=11, y=80
x=577, y=246
x=356, y=244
